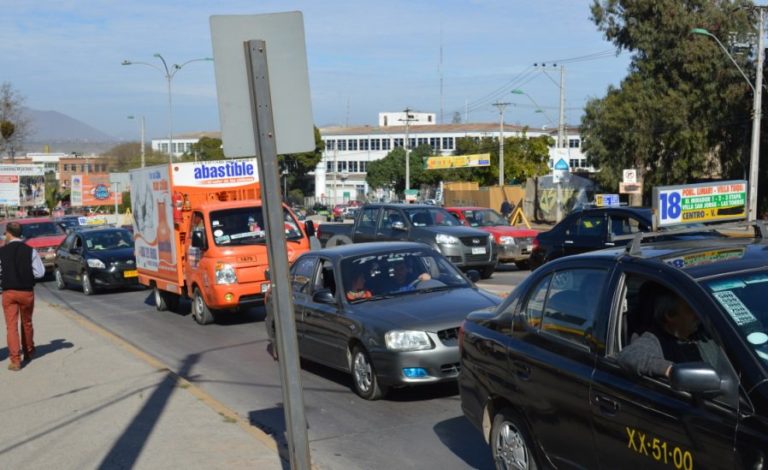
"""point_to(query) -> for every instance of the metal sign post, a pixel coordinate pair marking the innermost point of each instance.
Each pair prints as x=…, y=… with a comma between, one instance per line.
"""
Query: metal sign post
x=282, y=304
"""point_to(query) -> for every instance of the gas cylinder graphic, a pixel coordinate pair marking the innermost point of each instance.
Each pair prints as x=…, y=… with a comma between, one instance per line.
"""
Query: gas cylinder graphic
x=164, y=245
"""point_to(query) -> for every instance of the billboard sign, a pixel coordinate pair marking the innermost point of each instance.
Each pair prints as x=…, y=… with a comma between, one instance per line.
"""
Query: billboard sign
x=695, y=203
x=92, y=190
x=459, y=161
x=22, y=185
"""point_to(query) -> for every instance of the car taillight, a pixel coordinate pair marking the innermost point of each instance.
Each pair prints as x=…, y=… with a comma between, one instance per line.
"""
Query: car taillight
x=461, y=335
x=535, y=244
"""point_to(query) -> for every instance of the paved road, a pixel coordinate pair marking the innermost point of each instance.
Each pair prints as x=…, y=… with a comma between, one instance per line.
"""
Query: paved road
x=411, y=429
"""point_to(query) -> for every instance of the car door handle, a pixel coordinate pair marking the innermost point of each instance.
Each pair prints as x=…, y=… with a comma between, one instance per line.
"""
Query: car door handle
x=568, y=242
x=606, y=404
x=522, y=370
x=610, y=244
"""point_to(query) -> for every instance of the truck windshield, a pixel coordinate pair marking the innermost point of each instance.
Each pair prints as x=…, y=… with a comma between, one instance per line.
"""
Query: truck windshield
x=742, y=298
x=245, y=226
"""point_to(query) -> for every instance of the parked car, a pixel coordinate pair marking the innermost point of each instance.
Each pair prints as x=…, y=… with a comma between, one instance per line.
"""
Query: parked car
x=338, y=212
x=68, y=222
x=96, y=259
x=514, y=244
x=388, y=331
x=588, y=229
x=466, y=247
x=542, y=380
x=40, y=233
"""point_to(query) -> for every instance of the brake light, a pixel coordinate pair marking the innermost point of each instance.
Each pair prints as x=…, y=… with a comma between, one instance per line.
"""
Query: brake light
x=536, y=244
x=461, y=335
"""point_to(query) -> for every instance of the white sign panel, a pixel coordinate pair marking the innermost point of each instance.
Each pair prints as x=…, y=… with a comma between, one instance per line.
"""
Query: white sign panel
x=629, y=176
x=76, y=191
x=22, y=185
x=216, y=174
x=288, y=81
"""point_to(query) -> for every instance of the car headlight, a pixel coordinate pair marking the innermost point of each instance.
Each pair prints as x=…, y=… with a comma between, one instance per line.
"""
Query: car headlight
x=225, y=274
x=507, y=240
x=399, y=340
x=446, y=239
x=95, y=263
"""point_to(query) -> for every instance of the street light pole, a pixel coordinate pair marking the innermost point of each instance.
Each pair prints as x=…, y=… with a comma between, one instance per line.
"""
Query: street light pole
x=141, y=131
x=500, y=107
x=168, y=73
x=757, y=106
x=407, y=146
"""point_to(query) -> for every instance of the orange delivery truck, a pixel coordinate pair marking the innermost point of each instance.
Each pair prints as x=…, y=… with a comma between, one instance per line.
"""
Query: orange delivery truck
x=199, y=234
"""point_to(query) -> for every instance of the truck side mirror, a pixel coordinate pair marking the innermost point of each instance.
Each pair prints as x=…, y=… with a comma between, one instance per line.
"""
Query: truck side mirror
x=309, y=227
x=198, y=240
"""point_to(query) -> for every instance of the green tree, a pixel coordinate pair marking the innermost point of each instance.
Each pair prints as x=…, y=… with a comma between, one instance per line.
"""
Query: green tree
x=52, y=194
x=14, y=123
x=683, y=112
x=296, y=166
x=390, y=170
x=207, y=148
x=127, y=156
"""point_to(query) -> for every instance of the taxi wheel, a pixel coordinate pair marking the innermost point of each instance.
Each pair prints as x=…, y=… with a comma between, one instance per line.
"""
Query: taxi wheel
x=88, y=288
x=510, y=445
x=200, y=311
x=61, y=284
x=364, y=376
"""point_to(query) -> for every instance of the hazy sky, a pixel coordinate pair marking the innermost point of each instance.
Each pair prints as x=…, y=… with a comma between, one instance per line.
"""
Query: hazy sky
x=364, y=57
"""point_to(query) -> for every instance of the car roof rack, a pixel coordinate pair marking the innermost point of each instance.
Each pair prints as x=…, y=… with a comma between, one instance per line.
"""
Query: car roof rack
x=633, y=247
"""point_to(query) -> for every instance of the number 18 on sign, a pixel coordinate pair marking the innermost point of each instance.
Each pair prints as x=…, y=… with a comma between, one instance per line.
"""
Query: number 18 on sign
x=696, y=203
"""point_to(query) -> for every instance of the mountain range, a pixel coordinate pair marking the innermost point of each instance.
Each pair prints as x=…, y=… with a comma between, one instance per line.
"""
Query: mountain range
x=52, y=131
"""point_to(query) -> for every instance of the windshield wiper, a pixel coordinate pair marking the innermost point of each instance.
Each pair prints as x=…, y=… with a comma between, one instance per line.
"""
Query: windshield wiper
x=247, y=241
x=435, y=289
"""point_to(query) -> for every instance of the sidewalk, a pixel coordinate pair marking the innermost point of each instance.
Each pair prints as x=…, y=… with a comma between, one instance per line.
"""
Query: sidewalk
x=89, y=400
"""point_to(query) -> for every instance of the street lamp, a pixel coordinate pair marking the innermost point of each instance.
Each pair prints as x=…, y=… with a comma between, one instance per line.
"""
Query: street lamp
x=169, y=73
x=757, y=108
x=142, y=138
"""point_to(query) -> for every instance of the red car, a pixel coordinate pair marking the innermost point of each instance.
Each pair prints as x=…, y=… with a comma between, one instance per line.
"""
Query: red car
x=42, y=234
x=514, y=244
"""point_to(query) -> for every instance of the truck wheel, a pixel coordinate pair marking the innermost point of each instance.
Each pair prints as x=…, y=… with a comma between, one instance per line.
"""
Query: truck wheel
x=338, y=240
x=165, y=300
x=364, y=376
x=511, y=445
x=200, y=311
x=487, y=271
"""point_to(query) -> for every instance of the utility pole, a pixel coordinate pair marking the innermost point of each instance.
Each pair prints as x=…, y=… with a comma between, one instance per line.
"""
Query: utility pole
x=335, y=172
x=500, y=107
x=408, y=119
x=143, y=161
x=561, y=121
x=757, y=108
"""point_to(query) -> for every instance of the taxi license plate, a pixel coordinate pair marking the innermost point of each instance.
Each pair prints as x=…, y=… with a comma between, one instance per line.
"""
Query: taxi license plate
x=131, y=273
x=478, y=250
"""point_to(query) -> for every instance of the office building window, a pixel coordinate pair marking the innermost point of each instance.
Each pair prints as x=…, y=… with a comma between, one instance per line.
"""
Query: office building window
x=375, y=144
x=412, y=143
x=398, y=142
x=352, y=144
x=574, y=163
x=447, y=143
x=434, y=142
x=422, y=141
x=386, y=144
x=342, y=145
x=342, y=166
x=364, y=144
x=573, y=143
x=330, y=144
x=363, y=166
x=329, y=166
x=353, y=167
x=66, y=167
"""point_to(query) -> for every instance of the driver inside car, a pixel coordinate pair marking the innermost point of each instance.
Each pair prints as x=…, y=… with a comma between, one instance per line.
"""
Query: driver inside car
x=404, y=278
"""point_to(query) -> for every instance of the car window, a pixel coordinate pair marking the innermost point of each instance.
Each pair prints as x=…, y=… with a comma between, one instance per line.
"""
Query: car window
x=391, y=216
x=78, y=243
x=534, y=306
x=69, y=241
x=368, y=218
x=591, y=226
x=301, y=274
x=40, y=229
x=324, y=278
x=625, y=225
x=571, y=304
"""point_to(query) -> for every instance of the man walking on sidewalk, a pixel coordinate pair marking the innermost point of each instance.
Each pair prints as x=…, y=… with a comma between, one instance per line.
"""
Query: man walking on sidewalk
x=20, y=265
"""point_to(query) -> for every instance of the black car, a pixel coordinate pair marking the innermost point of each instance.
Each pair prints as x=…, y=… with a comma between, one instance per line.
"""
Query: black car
x=541, y=375
x=397, y=327
x=69, y=222
x=588, y=229
x=98, y=258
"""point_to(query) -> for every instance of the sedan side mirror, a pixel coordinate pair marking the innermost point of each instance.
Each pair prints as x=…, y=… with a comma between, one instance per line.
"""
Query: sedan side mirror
x=398, y=225
x=695, y=377
x=324, y=296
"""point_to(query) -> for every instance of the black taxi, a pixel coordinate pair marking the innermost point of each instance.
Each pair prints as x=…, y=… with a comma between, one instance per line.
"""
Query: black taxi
x=542, y=380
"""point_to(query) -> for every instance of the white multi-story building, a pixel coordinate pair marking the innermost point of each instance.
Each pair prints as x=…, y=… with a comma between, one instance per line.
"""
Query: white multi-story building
x=182, y=143
x=340, y=176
